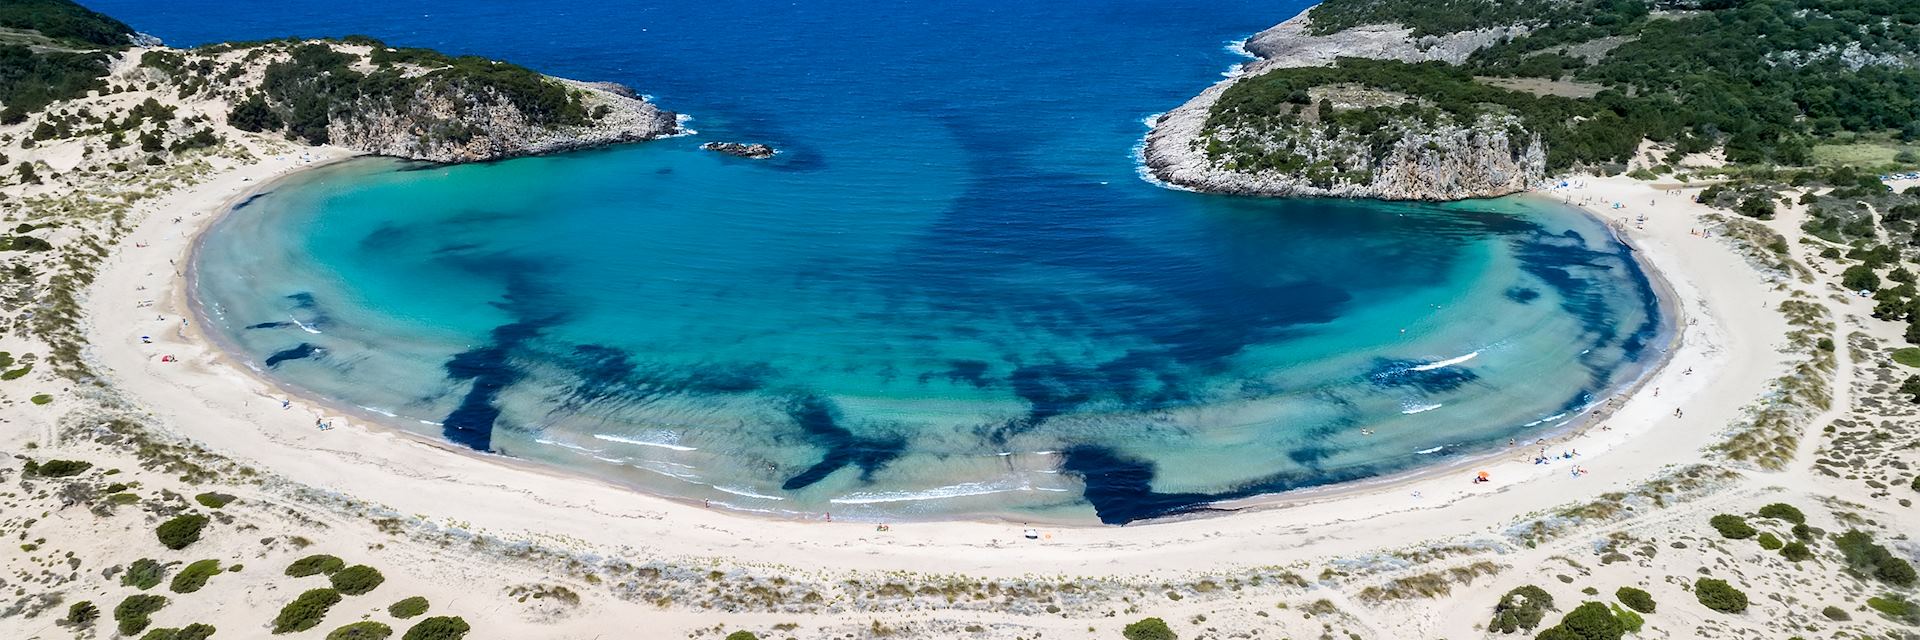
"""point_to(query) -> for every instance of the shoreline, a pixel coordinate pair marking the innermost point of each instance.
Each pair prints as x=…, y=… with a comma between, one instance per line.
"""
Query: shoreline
x=1573, y=426
x=206, y=399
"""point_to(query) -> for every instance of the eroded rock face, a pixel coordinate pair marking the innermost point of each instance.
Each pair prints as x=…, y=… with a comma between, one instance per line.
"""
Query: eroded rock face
x=755, y=151
x=1442, y=161
x=452, y=124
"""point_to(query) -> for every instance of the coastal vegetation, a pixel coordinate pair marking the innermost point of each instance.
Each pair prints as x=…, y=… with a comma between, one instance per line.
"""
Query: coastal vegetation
x=1636, y=599
x=306, y=611
x=408, y=607
x=180, y=531
x=1720, y=596
x=1763, y=82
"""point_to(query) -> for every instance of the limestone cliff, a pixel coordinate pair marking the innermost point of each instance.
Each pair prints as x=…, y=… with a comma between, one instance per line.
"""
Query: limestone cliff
x=406, y=103
x=1424, y=159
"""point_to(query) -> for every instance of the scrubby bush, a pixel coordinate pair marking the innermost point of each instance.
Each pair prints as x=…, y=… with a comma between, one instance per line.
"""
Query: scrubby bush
x=1897, y=607
x=135, y=613
x=1860, y=277
x=1783, y=511
x=1796, y=551
x=59, y=468
x=144, y=574
x=1732, y=527
x=194, y=576
x=1719, y=596
x=1592, y=621
x=181, y=531
x=190, y=632
x=1866, y=557
x=213, y=499
x=1630, y=621
x=306, y=611
x=742, y=635
x=366, y=630
x=82, y=614
x=1836, y=614
x=314, y=565
x=357, y=579
x=439, y=628
x=1636, y=599
x=1521, y=609
x=1148, y=629
x=408, y=607
x=1768, y=541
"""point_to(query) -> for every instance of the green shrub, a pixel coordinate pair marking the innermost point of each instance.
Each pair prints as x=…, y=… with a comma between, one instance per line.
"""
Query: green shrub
x=1796, y=551
x=1836, y=614
x=144, y=574
x=1805, y=533
x=1896, y=607
x=1719, y=596
x=82, y=614
x=61, y=468
x=1630, y=621
x=1148, y=629
x=1916, y=483
x=1769, y=542
x=1783, y=511
x=1866, y=557
x=357, y=579
x=1592, y=621
x=41, y=399
x=181, y=531
x=194, y=576
x=742, y=635
x=408, y=607
x=190, y=632
x=213, y=500
x=1521, y=609
x=314, y=565
x=135, y=613
x=366, y=630
x=1860, y=277
x=1557, y=633
x=1636, y=599
x=1732, y=527
x=438, y=628
x=306, y=611
x=1908, y=356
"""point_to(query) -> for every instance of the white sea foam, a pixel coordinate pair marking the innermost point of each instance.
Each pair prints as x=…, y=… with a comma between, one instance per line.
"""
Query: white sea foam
x=564, y=445
x=1420, y=409
x=1556, y=416
x=746, y=493
x=303, y=326
x=961, y=490
x=1445, y=363
x=383, y=412
x=650, y=467
x=643, y=443
x=1140, y=167
x=1427, y=451
x=1238, y=48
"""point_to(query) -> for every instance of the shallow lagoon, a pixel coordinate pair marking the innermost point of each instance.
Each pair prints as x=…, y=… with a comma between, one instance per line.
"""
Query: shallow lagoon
x=950, y=296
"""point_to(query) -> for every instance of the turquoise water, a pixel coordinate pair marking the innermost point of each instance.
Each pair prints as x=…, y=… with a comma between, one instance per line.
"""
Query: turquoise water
x=950, y=295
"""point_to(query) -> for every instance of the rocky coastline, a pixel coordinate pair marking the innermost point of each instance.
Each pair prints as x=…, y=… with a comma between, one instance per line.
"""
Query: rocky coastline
x=1448, y=161
x=497, y=129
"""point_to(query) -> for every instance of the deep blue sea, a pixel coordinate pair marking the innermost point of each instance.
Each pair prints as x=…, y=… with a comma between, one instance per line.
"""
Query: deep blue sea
x=950, y=295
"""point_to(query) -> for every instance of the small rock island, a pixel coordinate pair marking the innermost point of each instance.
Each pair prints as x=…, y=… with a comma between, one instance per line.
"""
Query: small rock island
x=754, y=151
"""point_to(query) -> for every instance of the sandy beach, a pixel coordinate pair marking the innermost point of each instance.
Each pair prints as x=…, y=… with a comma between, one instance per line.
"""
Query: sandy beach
x=1727, y=355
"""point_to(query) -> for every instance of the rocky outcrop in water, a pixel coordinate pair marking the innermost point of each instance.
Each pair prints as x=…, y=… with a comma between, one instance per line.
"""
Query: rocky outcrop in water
x=1427, y=160
x=755, y=151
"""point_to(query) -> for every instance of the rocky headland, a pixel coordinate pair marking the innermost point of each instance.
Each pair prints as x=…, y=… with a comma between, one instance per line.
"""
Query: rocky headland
x=1443, y=159
x=408, y=103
